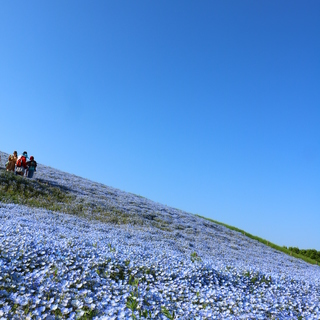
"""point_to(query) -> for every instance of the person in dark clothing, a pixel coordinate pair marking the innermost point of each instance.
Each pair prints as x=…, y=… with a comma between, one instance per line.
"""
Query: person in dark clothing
x=31, y=167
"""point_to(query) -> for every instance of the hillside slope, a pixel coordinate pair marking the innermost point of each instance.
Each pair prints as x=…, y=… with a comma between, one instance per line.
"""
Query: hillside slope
x=71, y=248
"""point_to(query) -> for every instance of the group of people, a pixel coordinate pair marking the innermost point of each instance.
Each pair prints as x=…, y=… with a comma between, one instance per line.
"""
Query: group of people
x=22, y=165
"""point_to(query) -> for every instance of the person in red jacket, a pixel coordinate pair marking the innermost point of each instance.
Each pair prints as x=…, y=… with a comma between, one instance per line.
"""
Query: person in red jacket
x=21, y=164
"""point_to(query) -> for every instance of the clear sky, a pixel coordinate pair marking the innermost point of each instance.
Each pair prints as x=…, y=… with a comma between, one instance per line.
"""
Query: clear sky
x=212, y=107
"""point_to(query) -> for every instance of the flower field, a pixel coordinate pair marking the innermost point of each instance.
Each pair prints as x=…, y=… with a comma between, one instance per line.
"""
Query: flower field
x=74, y=249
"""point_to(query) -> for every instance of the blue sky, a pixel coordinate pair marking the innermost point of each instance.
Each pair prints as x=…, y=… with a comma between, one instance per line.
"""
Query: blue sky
x=212, y=107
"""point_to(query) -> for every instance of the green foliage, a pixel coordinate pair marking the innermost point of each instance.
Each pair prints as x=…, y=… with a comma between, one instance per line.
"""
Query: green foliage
x=44, y=194
x=195, y=257
x=166, y=312
x=145, y=314
x=127, y=262
x=133, y=282
x=118, y=274
x=58, y=313
x=310, y=253
x=33, y=193
x=41, y=194
x=88, y=314
x=111, y=248
x=26, y=308
x=254, y=279
x=132, y=302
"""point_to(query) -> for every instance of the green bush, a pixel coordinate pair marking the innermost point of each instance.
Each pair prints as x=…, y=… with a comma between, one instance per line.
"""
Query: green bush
x=310, y=253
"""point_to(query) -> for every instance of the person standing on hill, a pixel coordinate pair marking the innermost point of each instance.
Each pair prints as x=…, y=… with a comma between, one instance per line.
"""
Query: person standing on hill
x=21, y=164
x=31, y=167
x=12, y=161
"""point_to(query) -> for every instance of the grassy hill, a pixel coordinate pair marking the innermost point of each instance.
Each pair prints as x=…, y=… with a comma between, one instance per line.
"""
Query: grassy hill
x=40, y=194
x=71, y=248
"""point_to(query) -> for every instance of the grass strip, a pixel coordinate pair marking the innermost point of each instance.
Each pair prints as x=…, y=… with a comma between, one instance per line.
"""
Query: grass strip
x=33, y=193
x=38, y=193
x=266, y=242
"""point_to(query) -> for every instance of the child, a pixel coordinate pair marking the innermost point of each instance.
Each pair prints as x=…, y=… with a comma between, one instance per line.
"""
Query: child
x=31, y=167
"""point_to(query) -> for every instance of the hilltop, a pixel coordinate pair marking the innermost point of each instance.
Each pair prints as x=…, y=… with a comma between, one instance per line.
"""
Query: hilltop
x=71, y=248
